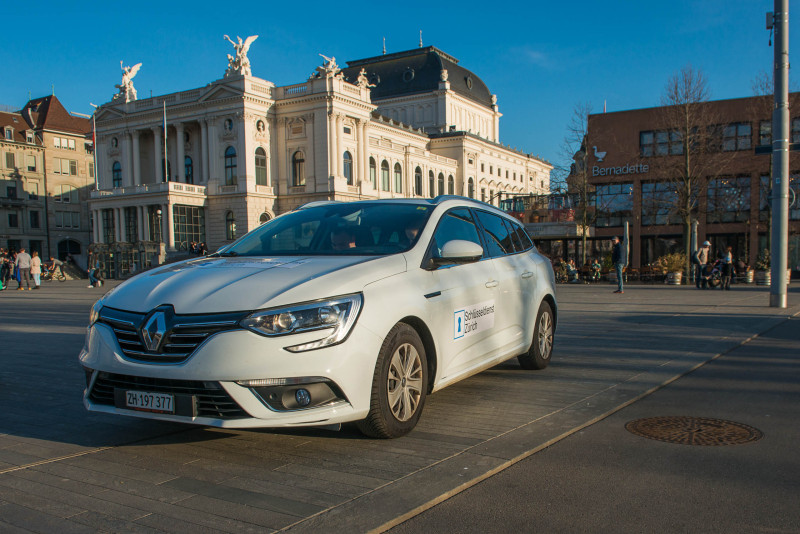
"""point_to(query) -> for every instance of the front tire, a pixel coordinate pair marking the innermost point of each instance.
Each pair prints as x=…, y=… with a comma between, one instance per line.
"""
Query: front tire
x=399, y=385
x=538, y=356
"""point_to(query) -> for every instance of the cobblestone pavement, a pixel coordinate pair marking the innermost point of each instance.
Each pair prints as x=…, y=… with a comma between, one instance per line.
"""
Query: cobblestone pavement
x=63, y=469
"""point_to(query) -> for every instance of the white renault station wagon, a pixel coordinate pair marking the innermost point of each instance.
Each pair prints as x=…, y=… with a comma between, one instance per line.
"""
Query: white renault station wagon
x=332, y=313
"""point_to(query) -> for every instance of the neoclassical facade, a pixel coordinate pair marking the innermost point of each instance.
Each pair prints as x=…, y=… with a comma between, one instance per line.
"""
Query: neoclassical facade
x=241, y=150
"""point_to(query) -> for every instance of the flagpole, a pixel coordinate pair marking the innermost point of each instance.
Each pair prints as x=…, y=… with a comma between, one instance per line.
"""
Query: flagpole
x=94, y=147
x=166, y=169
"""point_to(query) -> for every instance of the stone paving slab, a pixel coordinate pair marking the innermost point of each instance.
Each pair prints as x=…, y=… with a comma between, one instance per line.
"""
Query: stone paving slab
x=64, y=469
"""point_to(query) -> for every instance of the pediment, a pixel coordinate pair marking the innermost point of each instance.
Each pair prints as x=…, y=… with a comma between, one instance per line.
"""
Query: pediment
x=109, y=113
x=219, y=93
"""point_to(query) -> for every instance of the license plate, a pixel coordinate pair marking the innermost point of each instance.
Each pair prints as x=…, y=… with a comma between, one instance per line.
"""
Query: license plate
x=150, y=402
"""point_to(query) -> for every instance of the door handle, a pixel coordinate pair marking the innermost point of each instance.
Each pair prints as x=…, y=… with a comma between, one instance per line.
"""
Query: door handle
x=527, y=274
x=492, y=283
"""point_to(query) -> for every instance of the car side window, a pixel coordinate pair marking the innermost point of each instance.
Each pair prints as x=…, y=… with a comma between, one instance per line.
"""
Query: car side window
x=523, y=236
x=455, y=224
x=515, y=240
x=498, y=237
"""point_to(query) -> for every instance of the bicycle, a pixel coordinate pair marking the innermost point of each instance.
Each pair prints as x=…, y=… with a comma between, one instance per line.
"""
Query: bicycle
x=53, y=274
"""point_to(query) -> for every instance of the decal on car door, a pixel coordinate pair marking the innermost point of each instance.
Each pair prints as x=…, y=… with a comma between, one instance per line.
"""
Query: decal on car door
x=473, y=319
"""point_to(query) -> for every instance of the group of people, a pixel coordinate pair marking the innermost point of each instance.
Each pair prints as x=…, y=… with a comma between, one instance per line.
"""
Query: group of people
x=705, y=269
x=198, y=248
x=24, y=267
x=568, y=272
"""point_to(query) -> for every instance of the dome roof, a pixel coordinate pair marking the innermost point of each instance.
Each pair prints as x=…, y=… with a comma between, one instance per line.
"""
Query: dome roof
x=417, y=71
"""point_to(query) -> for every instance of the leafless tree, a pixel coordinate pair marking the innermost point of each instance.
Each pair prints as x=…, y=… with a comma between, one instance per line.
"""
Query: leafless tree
x=575, y=151
x=693, y=152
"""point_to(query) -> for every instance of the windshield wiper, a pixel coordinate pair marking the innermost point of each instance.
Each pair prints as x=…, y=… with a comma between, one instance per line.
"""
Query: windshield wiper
x=227, y=254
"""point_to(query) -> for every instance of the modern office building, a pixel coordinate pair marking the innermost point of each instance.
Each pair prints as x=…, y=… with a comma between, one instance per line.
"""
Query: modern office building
x=634, y=158
x=47, y=173
x=240, y=150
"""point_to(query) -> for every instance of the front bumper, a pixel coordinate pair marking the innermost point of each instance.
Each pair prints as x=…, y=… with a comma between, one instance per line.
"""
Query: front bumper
x=207, y=379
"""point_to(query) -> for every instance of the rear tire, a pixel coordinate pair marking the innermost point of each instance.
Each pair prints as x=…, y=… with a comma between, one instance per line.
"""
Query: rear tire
x=538, y=356
x=399, y=385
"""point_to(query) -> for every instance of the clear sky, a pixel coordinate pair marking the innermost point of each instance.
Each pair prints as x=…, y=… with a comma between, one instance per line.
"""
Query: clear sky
x=540, y=58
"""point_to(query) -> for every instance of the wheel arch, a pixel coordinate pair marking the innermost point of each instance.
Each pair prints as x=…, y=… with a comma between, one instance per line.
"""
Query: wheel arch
x=548, y=298
x=430, y=347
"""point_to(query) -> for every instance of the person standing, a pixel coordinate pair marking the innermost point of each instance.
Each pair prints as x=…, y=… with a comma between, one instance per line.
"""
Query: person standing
x=727, y=268
x=36, y=269
x=701, y=260
x=618, y=259
x=24, y=265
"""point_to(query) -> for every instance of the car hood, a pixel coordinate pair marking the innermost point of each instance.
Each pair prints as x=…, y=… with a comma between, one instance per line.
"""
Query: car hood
x=214, y=285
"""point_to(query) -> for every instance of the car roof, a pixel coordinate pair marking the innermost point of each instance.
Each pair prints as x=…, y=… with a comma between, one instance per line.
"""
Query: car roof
x=436, y=201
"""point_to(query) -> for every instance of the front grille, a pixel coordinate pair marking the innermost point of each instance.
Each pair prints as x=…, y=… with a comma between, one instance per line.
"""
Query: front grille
x=184, y=334
x=212, y=400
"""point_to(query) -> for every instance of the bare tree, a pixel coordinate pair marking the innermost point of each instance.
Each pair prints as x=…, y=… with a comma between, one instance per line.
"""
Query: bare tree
x=576, y=151
x=691, y=143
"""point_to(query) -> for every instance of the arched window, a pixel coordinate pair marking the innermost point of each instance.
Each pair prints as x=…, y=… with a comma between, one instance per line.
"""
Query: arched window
x=116, y=175
x=230, y=226
x=441, y=184
x=188, y=170
x=418, y=182
x=451, y=185
x=398, y=178
x=298, y=169
x=347, y=167
x=261, y=166
x=431, y=184
x=470, y=188
x=372, y=173
x=230, y=166
x=385, y=175
x=264, y=217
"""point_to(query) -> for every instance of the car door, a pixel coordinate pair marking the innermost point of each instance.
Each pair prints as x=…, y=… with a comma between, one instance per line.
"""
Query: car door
x=510, y=330
x=461, y=298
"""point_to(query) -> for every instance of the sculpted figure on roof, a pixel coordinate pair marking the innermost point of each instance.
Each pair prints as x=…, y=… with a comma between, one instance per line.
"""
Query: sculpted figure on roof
x=239, y=65
x=126, y=89
x=363, y=81
x=328, y=69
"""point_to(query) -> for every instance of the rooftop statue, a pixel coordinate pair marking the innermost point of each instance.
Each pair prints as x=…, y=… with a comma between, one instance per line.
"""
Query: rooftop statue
x=328, y=69
x=363, y=81
x=239, y=65
x=126, y=89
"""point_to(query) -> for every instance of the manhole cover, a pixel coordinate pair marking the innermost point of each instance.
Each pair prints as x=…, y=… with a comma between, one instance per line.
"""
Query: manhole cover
x=694, y=430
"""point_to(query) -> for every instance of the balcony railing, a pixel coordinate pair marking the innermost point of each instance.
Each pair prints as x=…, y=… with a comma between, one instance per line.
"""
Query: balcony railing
x=162, y=187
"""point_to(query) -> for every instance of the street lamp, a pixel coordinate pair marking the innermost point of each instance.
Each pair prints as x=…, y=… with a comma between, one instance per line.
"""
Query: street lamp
x=94, y=147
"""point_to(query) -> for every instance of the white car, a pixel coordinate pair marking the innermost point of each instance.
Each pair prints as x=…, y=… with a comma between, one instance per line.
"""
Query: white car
x=332, y=313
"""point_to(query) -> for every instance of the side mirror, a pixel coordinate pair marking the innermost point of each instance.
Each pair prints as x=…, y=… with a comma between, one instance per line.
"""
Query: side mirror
x=457, y=251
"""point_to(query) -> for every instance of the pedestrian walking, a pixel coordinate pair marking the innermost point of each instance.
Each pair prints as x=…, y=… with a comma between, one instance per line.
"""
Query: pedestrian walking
x=36, y=269
x=23, y=262
x=700, y=259
x=618, y=259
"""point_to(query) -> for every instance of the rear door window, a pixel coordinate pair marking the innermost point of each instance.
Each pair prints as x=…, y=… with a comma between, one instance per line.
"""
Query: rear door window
x=497, y=234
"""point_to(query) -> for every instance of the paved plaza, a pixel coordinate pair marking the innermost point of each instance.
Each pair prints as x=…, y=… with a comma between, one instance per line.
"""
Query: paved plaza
x=63, y=469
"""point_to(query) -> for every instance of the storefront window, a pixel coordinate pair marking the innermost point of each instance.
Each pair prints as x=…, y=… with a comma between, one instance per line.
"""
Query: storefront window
x=659, y=204
x=728, y=200
x=614, y=204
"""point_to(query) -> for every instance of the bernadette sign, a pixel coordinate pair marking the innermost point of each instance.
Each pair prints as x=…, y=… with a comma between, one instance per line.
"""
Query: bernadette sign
x=639, y=168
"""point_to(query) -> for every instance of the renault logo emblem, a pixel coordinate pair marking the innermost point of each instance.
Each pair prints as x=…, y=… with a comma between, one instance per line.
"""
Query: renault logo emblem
x=153, y=331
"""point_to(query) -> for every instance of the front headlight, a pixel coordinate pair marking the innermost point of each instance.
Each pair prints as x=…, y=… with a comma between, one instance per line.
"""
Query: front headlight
x=337, y=315
x=94, y=313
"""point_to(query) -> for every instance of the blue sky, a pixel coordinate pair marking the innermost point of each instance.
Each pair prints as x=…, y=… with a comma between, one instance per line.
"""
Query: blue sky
x=541, y=58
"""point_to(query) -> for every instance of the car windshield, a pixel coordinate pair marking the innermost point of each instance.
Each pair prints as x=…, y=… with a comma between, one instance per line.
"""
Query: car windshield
x=351, y=229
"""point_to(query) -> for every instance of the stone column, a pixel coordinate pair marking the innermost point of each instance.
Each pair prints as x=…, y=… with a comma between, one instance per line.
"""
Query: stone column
x=362, y=158
x=139, y=223
x=204, y=151
x=120, y=226
x=128, y=165
x=179, y=144
x=164, y=223
x=338, y=136
x=136, y=156
x=331, y=145
x=146, y=223
x=170, y=227
x=96, y=228
x=158, y=154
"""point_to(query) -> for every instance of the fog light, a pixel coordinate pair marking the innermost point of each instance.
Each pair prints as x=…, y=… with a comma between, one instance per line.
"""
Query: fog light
x=302, y=397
